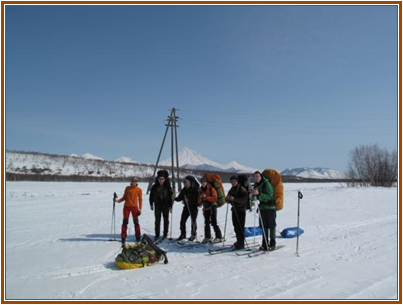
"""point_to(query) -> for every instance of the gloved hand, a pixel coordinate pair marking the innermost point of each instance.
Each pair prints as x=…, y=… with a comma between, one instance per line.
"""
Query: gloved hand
x=139, y=212
x=152, y=207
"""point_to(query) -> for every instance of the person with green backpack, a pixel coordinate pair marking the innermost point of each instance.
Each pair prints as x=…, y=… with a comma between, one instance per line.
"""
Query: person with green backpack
x=263, y=191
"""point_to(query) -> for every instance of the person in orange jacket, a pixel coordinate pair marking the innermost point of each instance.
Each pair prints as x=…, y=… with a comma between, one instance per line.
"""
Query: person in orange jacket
x=209, y=199
x=133, y=198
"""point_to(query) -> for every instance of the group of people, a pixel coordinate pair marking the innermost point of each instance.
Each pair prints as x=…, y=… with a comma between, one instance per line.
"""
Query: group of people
x=194, y=196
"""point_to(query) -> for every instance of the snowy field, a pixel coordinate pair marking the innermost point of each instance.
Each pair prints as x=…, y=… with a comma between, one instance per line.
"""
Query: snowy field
x=57, y=248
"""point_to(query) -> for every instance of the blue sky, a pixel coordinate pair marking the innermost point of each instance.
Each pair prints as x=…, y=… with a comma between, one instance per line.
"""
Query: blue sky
x=267, y=86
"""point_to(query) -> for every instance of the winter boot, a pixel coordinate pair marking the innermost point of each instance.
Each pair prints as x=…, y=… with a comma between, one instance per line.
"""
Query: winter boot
x=239, y=246
x=263, y=247
x=272, y=245
x=192, y=238
x=123, y=242
x=206, y=240
x=216, y=240
x=181, y=237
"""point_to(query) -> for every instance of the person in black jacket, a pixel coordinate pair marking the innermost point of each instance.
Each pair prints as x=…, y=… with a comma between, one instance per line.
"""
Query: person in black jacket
x=190, y=197
x=161, y=202
x=238, y=196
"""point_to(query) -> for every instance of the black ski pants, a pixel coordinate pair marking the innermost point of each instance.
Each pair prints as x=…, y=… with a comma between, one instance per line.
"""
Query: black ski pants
x=238, y=220
x=210, y=218
x=185, y=215
x=161, y=209
x=269, y=224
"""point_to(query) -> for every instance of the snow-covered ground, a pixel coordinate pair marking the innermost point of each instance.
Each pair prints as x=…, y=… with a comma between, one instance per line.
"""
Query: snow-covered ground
x=57, y=248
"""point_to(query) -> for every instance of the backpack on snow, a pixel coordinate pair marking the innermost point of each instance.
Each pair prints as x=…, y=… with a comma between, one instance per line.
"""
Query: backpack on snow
x=275, y=180
x=243, y=180
x=216, y=183
x=140, y=254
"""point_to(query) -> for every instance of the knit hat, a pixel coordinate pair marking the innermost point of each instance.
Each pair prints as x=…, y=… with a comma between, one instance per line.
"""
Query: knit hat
x=163, y=173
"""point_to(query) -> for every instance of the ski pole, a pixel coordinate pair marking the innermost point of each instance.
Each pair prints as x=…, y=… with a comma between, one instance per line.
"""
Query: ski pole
x=172, y=215
x=263, y=230
x=225, y=226
x=254, y=225
x=299, y=198
x=113, y=223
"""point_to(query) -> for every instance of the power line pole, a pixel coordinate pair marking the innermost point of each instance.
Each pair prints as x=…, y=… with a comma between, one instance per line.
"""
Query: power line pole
x=172, y=120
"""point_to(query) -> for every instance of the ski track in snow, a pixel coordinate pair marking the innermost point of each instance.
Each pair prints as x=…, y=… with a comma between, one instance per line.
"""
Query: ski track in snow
x=57, y=237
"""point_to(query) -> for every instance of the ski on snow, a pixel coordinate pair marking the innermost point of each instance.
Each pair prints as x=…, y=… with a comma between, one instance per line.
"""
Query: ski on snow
x=221, y=250
x=188, y=244
x=261, y=252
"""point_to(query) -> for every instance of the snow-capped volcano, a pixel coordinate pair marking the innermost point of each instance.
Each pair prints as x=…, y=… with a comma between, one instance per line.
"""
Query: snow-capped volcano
x=317, y=173
x=190, y=159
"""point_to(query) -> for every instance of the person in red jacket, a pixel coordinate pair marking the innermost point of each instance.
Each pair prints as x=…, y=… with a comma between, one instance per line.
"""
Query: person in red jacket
x=133, y=198
x=209, y=199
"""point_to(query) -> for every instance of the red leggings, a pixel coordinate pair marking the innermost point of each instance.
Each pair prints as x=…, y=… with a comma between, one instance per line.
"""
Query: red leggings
x=126, y=215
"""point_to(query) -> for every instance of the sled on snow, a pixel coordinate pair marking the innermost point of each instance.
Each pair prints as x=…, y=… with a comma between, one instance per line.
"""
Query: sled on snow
x=141, y=254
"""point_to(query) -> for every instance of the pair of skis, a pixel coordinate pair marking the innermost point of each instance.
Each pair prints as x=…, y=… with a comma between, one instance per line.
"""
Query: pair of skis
x=250, y=252
x=257, y=252
x=188, y=244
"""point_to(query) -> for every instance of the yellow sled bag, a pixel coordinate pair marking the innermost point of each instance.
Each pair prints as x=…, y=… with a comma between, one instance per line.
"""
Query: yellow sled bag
x=140, y=254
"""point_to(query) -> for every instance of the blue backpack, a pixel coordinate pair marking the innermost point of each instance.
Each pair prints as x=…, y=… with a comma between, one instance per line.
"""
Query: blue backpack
x=291, y=232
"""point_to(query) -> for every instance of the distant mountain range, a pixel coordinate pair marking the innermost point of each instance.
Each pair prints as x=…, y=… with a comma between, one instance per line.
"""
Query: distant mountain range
x=18, y=162
x=316, y=173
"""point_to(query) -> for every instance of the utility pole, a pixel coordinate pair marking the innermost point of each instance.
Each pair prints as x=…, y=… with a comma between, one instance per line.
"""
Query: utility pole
x=172, y=123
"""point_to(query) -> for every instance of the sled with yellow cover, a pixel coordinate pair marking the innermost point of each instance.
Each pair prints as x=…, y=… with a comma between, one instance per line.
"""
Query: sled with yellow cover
x=141, y=254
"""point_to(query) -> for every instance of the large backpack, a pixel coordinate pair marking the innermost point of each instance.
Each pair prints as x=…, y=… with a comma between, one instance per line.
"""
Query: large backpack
x=275, y=180
x=243, y=180
x=140, y=254
x=216, y=182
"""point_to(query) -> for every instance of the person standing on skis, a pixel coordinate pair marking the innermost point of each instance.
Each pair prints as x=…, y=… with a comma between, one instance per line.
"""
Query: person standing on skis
x=209, y=199
x=133, y=198
x=237, y=197
x=161, y=202
x=190, y=197
x=263, y=191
